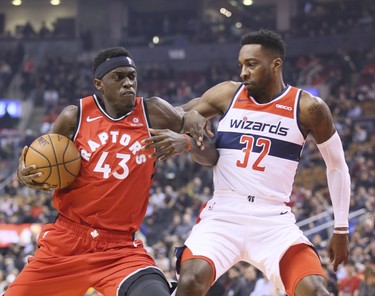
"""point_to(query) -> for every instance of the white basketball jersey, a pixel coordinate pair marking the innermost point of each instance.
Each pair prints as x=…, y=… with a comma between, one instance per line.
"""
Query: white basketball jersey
x=260, y=146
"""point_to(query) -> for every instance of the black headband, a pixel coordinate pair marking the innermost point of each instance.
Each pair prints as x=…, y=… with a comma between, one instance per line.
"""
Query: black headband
x=111, y=64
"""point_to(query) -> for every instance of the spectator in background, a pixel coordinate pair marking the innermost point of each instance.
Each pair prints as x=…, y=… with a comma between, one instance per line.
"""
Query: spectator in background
x=250, y=275
x=367, y=286
x=6, y=74
x=7, y=121
x=263, y=287
x=359, y=134
x=3, y=282
x=349, y=284
x=50, y=98
x=28, y=76
x=183, y=229
x=237, y=284
x=157, y=198
x=44, y=31
x=28, y=30
x=331, y=279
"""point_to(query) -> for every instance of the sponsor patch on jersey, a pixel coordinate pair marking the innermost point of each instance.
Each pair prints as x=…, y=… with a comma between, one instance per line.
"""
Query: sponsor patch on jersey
x=288, y=108
x=136, y=122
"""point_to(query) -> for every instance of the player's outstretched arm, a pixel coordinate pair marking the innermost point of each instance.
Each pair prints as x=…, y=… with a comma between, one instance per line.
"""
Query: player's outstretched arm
x=338, y=179
x=166, y=123
x=316, y=119
x=198, y=111
x=167, y=143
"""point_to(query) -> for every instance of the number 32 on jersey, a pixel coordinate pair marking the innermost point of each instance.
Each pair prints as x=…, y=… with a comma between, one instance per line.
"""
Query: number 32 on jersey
x=250, y=143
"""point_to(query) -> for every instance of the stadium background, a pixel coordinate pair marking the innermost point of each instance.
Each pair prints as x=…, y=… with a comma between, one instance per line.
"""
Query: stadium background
x=182, y=48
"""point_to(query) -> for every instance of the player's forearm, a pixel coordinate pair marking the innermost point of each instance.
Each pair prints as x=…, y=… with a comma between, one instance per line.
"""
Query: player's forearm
x=339, y=188
x=338, y=179
x=206, y=157
x=188, y=106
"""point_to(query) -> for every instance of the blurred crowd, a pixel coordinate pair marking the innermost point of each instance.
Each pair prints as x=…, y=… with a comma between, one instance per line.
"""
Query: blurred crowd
x=345, y=80
x=181, y=186
x=333, y=18
x=309, y=18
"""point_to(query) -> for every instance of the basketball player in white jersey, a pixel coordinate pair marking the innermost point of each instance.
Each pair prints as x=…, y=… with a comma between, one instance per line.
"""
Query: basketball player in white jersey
x=260, y=137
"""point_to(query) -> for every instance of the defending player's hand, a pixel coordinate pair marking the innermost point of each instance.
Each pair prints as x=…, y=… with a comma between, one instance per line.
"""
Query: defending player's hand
x=196, y=125
x=338, y=249
x=26, y=177
x=166, y=143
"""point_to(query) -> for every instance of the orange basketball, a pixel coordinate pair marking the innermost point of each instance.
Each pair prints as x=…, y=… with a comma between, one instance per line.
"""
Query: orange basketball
x=56, y=157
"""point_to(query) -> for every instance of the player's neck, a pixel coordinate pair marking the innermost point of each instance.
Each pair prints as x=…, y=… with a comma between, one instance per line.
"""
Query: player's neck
x=116, y=110
x=271, y=93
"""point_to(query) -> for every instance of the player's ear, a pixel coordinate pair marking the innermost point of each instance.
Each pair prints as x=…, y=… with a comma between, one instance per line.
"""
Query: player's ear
x=276, y=64
x=98, y=84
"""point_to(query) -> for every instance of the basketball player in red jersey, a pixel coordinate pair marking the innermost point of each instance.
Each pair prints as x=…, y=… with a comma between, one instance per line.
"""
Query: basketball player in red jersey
x=92, y=244
x=260, y=137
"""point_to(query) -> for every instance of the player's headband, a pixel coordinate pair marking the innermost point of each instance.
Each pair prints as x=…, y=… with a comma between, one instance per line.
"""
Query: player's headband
x=113, y=63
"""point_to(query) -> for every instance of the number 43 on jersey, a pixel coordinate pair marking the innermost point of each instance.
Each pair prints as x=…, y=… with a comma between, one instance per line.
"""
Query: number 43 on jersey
x=122, y=169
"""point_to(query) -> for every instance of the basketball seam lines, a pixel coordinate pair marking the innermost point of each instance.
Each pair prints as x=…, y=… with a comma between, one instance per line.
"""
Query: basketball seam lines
x=65, y=162
x=56, y=160
x=58, y=164
x=50, y=165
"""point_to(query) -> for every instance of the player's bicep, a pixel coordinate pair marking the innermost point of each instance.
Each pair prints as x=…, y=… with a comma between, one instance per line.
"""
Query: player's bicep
x=66, y=122
x=189, y=105
x=317, y=119
x=214, y=101
x=202, y=105
x=163, y=115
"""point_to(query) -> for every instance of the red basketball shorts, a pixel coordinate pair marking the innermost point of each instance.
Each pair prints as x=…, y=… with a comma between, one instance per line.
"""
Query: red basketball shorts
x=72, y=258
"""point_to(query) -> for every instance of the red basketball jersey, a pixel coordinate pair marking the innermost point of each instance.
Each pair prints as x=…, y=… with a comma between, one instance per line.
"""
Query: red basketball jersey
x=112, y=189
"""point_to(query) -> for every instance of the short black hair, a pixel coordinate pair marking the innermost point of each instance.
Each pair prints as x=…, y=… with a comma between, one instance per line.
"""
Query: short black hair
x=267, y=39
x=109, y=53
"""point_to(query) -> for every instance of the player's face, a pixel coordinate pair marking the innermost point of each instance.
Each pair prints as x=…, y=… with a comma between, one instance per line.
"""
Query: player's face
x=119, y=85
x=256, y=69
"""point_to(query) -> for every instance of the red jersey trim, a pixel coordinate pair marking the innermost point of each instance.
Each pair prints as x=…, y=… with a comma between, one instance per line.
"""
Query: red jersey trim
x=283, y=106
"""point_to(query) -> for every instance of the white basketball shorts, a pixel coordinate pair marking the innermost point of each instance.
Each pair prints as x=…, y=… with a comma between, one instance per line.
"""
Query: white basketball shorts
x=237, y=228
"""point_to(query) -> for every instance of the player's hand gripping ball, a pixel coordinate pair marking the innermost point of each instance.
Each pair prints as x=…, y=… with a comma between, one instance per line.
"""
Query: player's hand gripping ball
x=56, y=157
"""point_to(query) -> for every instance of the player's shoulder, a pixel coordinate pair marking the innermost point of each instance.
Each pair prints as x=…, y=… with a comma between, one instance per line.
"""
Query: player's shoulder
x=313, y=111
x=69, y=115
x=67, y=121
x=155, y=104
x=69, y=112
x=311, y=102
x=153, y=100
